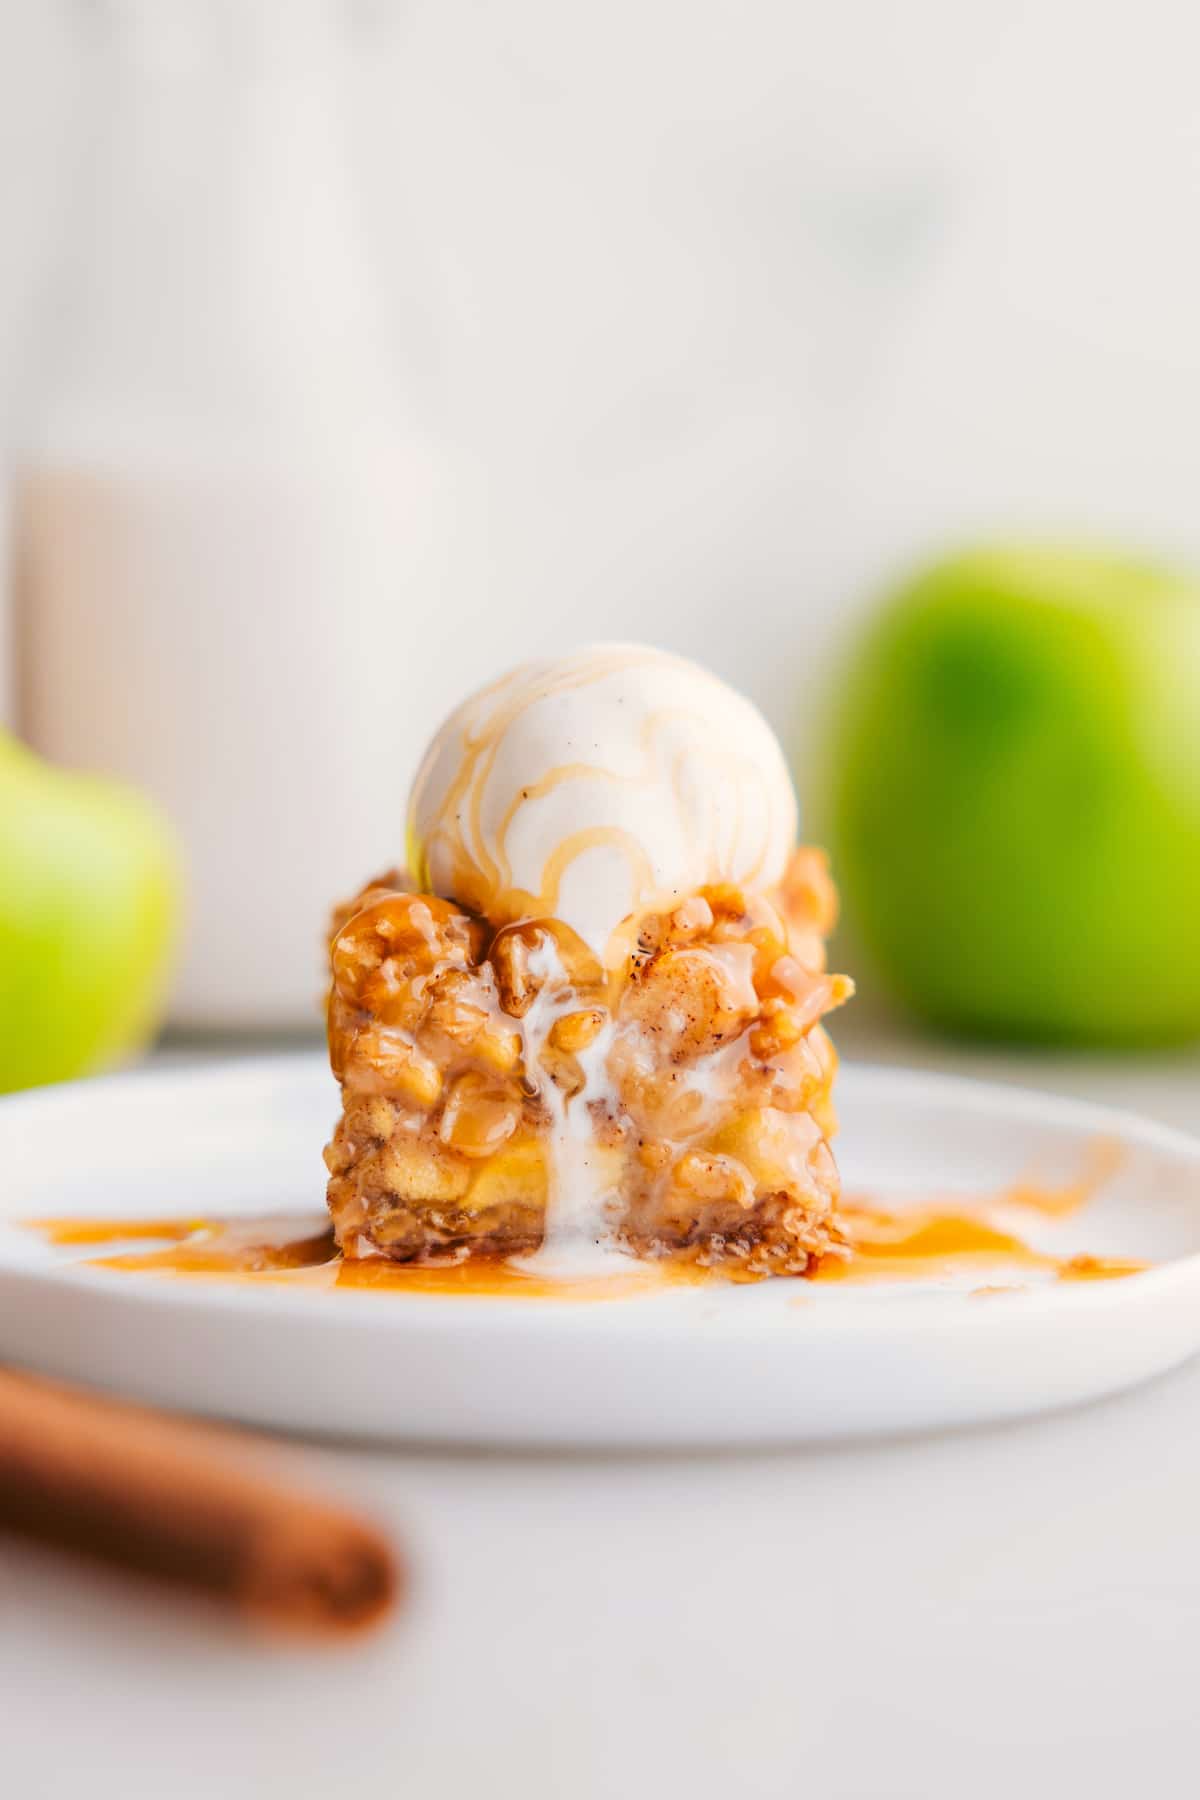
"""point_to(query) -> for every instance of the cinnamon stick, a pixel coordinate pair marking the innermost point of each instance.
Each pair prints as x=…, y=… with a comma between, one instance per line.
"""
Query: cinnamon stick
x=163, y=1498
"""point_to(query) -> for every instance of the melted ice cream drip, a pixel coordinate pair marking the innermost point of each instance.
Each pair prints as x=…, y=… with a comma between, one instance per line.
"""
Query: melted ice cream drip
x=579, y=1227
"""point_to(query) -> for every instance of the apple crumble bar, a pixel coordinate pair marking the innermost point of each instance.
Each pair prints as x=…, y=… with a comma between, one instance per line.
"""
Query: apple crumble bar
x=484, y=1073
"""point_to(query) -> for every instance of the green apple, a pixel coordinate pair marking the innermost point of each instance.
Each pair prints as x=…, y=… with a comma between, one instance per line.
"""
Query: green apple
x=89, y=902
x=1016, y=796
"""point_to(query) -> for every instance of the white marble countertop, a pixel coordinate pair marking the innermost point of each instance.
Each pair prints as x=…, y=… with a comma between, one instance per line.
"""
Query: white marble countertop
x=1000, y=1611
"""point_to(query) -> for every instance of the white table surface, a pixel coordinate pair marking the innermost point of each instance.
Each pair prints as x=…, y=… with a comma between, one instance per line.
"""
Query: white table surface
x=1010, y=1611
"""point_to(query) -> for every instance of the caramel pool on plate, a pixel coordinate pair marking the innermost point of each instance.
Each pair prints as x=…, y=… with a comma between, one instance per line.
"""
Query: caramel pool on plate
x=914, y=1243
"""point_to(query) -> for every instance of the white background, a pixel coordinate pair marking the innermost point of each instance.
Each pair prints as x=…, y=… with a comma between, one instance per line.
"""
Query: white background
x=740, y=304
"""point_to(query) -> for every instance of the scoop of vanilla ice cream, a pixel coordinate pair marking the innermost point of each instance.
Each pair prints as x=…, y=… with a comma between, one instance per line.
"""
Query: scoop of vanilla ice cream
x=599, y=786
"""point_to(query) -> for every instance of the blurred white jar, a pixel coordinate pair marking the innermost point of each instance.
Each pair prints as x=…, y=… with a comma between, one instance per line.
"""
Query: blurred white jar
x=229, y=531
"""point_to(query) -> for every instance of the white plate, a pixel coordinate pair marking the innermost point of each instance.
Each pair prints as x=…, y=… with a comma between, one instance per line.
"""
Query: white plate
x=778, y=1362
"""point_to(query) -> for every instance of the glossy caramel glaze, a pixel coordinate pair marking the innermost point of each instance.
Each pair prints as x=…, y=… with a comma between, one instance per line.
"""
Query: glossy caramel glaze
x=302, y=1249
x=919, y=1243
x=916, y=1243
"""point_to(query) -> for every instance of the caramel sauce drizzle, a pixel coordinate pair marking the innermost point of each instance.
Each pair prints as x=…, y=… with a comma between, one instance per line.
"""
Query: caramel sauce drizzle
x=464, y=839
x=913, y=1245
x=483, y=882
x=914, y=1242
x=302, y=1249
x=883, y=1244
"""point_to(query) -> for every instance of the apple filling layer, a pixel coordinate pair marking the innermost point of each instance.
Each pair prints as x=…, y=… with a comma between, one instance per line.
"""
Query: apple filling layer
x=504, y=1094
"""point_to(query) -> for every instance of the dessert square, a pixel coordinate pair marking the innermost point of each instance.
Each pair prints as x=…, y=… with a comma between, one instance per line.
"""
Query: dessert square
x=485, y=1074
